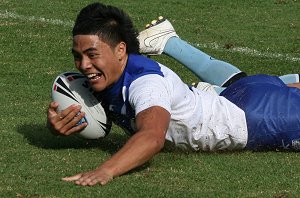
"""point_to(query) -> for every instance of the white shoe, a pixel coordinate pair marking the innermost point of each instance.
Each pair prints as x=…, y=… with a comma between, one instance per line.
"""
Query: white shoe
x=154, y=38
x=204, y=86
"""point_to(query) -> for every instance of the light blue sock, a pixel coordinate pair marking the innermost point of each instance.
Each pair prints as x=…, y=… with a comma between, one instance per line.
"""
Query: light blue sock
x=290, y=78
x=208, y=69
x=219, y=89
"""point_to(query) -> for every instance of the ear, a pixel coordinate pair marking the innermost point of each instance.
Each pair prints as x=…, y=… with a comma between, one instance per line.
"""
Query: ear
x=120, y=50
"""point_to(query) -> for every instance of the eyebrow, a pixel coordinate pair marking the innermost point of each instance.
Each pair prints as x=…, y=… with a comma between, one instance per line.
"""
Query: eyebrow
x=85, y=51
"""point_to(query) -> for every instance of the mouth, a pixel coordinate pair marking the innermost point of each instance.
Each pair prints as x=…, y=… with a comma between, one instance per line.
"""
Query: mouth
x=94, y=76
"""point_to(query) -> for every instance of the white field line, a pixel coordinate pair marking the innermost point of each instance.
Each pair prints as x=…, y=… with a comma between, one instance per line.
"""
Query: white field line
x=7, y=14
x=249, y=52
x=242, y=50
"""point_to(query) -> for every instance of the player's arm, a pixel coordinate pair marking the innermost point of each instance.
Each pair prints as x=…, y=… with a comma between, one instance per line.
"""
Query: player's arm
x=152, y=125
x=297, y=85
x=64, y=122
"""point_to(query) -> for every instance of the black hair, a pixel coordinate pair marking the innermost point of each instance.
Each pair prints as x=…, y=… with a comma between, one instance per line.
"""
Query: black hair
x=110, y=23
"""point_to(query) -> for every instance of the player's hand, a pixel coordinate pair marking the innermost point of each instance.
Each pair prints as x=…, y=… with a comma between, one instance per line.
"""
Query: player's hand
x=65, y=122
x=91, y=178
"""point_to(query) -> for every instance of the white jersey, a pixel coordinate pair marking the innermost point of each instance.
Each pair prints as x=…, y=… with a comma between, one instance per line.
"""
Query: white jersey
x=199, y=120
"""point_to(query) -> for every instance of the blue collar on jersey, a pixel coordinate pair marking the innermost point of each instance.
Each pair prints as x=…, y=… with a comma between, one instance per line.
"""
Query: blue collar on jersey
x=116, y=97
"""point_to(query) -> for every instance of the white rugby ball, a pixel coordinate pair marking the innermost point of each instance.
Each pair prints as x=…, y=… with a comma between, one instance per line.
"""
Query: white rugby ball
x=73, y=88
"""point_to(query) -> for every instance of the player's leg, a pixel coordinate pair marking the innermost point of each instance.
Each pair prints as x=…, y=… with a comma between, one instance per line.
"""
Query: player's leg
x=161, y=37
x=272, y=111
x=207, y=68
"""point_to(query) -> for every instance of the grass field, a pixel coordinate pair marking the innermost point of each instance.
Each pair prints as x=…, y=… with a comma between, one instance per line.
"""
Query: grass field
x=35, y=39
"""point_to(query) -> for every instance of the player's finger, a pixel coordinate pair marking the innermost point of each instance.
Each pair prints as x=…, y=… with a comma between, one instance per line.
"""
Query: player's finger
x=66, y=120
x=72, y=178
x=76, y=129
x=103, y=182
x=52, y=109
x=54, y=116
x=69, y=113
x=75, y=124
x=87, y=180
x=93, y=178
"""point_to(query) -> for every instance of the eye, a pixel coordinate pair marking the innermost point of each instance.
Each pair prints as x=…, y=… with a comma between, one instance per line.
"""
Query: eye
x=92, y=55
x=77, y=57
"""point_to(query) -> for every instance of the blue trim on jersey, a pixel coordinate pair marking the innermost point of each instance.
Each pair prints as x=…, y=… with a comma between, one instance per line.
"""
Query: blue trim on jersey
x=272, y=111
x=116, y=97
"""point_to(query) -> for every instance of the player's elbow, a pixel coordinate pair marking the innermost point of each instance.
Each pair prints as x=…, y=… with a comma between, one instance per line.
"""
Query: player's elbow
x=159, y=143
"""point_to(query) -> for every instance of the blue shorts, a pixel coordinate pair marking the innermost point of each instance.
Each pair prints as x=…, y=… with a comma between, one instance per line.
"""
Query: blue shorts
x=272, y=111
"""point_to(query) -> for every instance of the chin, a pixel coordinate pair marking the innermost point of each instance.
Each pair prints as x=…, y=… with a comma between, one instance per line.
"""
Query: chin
x=98, y=89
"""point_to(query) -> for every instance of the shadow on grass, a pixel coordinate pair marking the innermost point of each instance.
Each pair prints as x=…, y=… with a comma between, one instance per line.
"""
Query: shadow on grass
x=40, y=136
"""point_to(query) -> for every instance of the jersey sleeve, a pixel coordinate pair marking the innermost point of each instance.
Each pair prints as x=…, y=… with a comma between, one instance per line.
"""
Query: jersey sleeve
x=148, y=91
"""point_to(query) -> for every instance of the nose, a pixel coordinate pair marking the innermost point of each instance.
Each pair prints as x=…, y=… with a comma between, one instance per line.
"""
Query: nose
x=85, y=63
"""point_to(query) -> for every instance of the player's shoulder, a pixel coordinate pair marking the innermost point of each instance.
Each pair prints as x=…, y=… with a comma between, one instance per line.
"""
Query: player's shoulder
x=149, y=81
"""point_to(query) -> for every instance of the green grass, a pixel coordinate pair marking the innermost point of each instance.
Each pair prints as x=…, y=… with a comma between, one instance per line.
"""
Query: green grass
x=35, y=48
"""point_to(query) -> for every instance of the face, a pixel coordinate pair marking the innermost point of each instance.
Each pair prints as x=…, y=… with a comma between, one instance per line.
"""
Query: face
x=100, y=63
